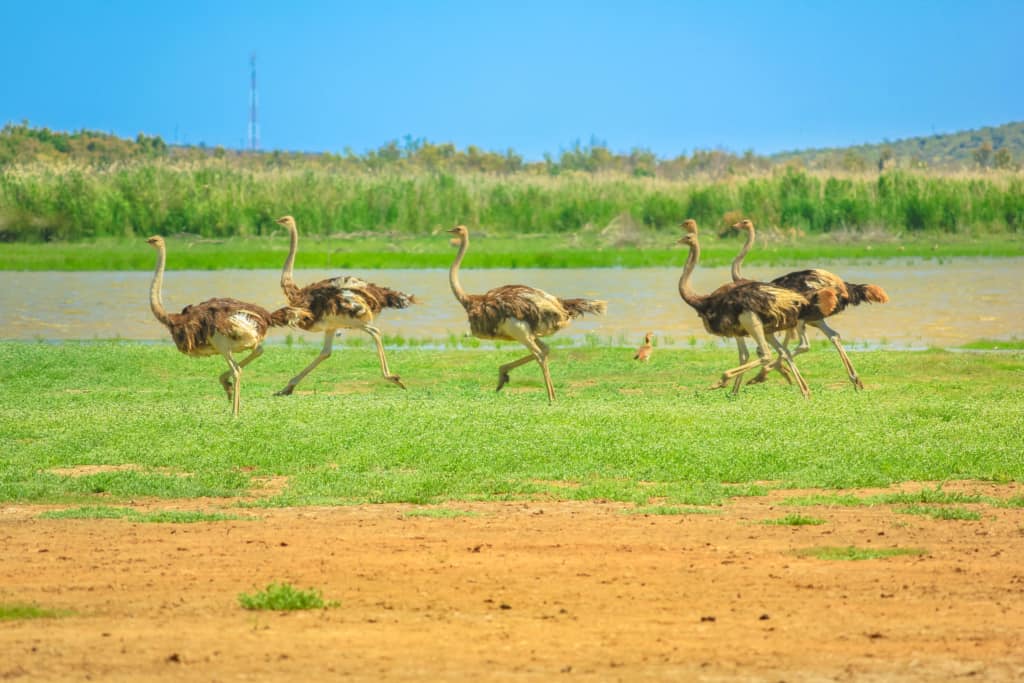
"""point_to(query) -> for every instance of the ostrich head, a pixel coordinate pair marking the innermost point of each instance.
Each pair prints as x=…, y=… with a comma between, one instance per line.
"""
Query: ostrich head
x=647, y=337
x=156, y=241
x=689, y=227
x=461, y=235
x=286, y=221
x=744, y=224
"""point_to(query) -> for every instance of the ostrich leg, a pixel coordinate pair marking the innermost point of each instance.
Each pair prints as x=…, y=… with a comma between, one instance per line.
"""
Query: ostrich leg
x=375, y=333
x=784, y=353
x=225, y=377
x=325, y=353
x=223, y=345
x=503, y=377
x=833, y=337
x=741, y=346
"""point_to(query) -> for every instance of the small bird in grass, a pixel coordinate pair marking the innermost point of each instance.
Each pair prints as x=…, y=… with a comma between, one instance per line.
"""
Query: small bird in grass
x=644, y=352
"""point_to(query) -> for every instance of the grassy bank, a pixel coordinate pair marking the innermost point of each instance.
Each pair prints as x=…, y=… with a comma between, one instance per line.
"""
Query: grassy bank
x=588, y=250
x=646, y=433
x=216, y=199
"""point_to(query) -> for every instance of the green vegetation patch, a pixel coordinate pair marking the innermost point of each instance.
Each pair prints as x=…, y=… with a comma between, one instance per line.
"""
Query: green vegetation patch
x=282, y=597
x=995, y=345
x=13, y=612
x=853, y=553
x=161, y=516
x=935, y=512
x=669, y=510
x=795, y=520
x=440, y=513
x=933, y=496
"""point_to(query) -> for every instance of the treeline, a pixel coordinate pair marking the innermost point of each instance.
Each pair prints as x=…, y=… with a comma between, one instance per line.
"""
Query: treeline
x=1000, y=148
x=215, y=198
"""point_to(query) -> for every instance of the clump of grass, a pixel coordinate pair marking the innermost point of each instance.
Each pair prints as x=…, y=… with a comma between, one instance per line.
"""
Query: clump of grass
x=825, y=499
x=284, y=597
x=12, y=612
x=161, y=516
x=853, y=553
x=795, y=520
x=669, y=510
x=947, y=513
x=440, y=513
x=934, y=496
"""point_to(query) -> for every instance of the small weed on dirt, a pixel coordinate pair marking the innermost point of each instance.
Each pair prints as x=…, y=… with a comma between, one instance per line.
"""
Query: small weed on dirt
x=795, y=520
x=852, y=553
x=440, y=513
x=283, y=597
x=950, y=513
x=12, y=612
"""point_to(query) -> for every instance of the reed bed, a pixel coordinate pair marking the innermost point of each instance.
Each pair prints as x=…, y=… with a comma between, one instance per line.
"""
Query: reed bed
x=214, y=199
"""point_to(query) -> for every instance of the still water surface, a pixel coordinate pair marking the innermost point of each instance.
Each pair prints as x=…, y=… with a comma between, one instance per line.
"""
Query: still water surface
x=932, y=304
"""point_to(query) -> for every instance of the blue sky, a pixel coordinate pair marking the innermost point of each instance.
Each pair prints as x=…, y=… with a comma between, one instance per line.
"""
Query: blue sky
x=532, y=76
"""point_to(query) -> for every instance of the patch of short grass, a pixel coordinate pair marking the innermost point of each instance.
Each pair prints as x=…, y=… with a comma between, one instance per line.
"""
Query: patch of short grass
x=13, y=612
x=827, y=500
x=281, y=597
x=934, y=496
x=995, y=345
x=160, y=516
x=669, y=510
x=795, y=520
x=936, y=512
x=440, y=513
x=854, y=553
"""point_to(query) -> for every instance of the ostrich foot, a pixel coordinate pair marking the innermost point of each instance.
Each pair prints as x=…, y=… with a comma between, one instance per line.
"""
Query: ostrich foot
x=720, y=384
x=225, y=381
x=760, y=378
x=503, y=379
x=857, y=384
x=287, y=391
x=396, y=380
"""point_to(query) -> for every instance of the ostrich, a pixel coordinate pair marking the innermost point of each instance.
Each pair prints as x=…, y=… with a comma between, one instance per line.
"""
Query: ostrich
x=807, y=282
x=223, y=326
x=337, y=303
x=517, y=313
x=644, y=352
x=757, y=309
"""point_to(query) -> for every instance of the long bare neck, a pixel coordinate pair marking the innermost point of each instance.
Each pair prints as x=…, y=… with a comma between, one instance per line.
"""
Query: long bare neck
x=738, y=261
x=155, y=299
x=453, y=272
x=685, y=289
x=287, y=280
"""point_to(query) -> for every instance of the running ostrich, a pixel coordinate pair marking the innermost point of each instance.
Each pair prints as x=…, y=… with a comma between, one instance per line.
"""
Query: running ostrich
x=644, y=352
x=223, y=326
x=757, y=309
x=807, y=282
x=517, y=313
x=334, y=304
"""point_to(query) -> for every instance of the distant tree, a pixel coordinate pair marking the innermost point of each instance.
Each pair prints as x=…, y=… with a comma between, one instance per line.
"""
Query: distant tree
x=983, y=154
x=1002, y=158
x=886, y=158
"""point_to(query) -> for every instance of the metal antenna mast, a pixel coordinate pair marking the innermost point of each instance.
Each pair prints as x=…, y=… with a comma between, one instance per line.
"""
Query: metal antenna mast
x=254, y=125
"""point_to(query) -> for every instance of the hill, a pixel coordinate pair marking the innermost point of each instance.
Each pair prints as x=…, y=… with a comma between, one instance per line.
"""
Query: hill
x=989, y=147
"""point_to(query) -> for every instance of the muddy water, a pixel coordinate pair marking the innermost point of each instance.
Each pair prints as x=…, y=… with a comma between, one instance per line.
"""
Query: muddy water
x=933, y=304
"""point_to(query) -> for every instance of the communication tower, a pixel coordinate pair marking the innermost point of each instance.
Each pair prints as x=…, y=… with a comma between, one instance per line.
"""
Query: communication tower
x=254, y=125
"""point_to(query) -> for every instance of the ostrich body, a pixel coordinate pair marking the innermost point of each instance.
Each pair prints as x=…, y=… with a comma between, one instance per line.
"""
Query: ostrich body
x=517, y=313
x=334, y=304
x=216, y=326
x=644, y=352
x=757, y=309
x=808, y=282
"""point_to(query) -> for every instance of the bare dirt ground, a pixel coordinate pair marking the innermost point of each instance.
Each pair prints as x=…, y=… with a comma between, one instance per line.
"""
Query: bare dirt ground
x=533, y=591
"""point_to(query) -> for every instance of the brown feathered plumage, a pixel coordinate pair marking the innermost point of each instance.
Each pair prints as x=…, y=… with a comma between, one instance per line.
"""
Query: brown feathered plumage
x=644, y=352
x=216, y=326
x=810, y=283
x=337, y=303
x=517, y=313
x=757, y=309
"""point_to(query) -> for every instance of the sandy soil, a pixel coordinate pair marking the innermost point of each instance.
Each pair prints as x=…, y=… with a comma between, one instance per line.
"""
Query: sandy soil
x=534, y=591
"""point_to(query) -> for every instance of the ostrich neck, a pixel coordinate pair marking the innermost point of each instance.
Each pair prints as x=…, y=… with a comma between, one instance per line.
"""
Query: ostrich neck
x=738, y=261
x=287, y=280
x=155, y=299
x=685, y=290
x=453, y=272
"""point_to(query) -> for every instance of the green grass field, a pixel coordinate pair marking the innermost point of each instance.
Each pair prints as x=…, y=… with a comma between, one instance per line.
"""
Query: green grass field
x=537, y=251
x=648, y=434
